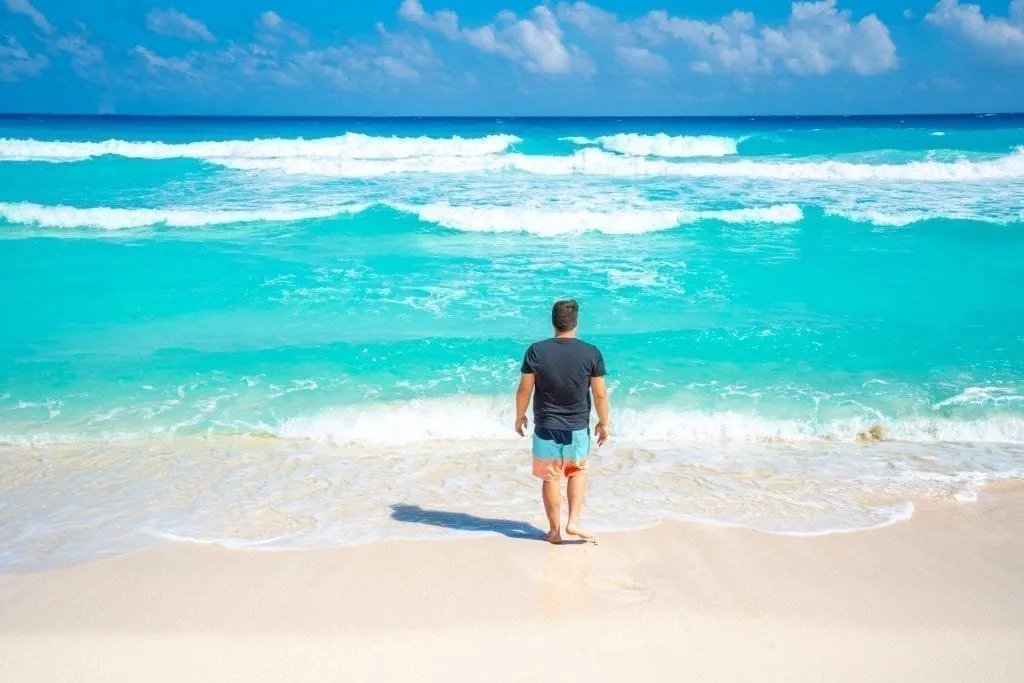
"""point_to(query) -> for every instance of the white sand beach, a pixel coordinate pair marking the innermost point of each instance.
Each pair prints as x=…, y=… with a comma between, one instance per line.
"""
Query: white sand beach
x=936, y=598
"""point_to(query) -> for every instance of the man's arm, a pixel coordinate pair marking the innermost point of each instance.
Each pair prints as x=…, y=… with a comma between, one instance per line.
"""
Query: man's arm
x=526, y=382
x=604, y=409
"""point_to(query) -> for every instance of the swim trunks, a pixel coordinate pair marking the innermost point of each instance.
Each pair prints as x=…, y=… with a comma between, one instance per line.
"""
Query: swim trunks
x=557, y=452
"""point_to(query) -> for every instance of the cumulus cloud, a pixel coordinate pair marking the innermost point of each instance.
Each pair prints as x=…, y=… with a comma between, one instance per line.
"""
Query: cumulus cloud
x=398, y=57
x=817, y=39
x=16, y=63
x=1000, y=35
x=86, y=58
x=591, y=20
x=622, y=37
x=536, y=42
x=175, y=24
x=642, y=59
x=25, y=8
x=272, y=24
x=155, y=63
x=395, y=58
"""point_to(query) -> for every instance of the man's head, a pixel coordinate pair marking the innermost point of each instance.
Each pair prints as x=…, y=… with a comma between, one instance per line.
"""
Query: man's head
x=565, y=316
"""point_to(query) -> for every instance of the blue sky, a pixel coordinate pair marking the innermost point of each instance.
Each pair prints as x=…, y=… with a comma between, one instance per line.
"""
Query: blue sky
x=506, y=57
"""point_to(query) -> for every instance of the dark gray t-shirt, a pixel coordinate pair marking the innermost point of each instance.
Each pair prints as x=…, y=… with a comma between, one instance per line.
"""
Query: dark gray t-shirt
x=562, y=370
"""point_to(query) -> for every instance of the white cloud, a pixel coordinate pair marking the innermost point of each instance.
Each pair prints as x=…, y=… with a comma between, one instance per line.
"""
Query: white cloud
x=155, y=63
x=591, y=20
x=395, y=58
x=817, y=39
x=399, y=57
x=273, y=24
x=536, y=42
x=642, y=59
x=1001, y=35
x=623, y=38
x=908, y=14
x=85, y=57
x=16, y=63
x=396, y=68
x=25, y=8
x=175, y=24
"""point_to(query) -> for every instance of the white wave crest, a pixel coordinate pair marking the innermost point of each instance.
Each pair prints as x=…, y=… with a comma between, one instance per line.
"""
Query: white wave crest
x=662, y=145
x=347, y=146
x=982, y=396
x=899, y=219
x=481, y=418
x=555, y=221
x=119, y=219
x=540, y=221
x=596, y=162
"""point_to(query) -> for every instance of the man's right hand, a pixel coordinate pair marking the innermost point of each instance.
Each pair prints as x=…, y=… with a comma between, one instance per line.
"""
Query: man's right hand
x=602, y=431
x=521, y=426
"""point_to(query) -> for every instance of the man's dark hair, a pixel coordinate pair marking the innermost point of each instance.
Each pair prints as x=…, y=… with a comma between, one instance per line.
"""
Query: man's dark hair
x=565, y=315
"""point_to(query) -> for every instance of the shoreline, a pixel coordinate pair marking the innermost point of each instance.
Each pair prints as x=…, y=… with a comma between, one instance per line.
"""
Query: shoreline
x=938, y=597
x=67, y=506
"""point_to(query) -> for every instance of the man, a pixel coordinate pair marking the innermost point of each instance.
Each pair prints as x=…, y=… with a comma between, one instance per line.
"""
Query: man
x=561, y=373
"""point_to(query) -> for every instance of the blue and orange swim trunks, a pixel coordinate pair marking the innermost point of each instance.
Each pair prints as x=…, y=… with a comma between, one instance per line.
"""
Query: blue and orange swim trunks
x=557, y=452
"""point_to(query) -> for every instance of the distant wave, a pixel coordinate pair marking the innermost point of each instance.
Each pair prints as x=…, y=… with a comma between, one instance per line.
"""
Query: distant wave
x=539, y=220
x=559, y=221
x=513, y=218
x=355, y=155
x=662, y=145
x=119, y=219
x=596, y=162
x=347, y=146
x=899, y=219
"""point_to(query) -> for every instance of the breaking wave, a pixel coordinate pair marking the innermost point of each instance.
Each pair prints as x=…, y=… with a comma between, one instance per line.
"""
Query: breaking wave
x=548, y=221
x=662, y=145
x=560, y=221
x=347, y=146
x=489, y=419
x=355, y=155
x=596, y=162
x=119, y=219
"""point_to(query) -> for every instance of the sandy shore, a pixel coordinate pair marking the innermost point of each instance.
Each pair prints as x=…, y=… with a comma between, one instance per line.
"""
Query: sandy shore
x=938, y=598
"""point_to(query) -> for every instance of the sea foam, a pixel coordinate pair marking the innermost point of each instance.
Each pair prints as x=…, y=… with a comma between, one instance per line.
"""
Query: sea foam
x=512, y=218
x=597, y=162
x=106, y=218
x=356, y=155
x=347, y=146
x=556, y=221
x=458, y=419
x=662, y=145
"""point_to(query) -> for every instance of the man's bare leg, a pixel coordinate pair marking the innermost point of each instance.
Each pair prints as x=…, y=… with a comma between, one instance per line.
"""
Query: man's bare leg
x=551, y=491
x=577, y=487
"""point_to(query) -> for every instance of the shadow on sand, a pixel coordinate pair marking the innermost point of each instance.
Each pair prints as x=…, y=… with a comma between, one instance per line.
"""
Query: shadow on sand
x=461, y=521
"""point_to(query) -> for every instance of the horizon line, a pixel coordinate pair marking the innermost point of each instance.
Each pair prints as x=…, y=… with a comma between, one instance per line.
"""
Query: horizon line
x=29, y=115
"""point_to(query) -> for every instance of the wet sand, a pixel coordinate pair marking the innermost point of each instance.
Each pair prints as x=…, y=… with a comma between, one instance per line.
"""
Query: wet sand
x=936, y=598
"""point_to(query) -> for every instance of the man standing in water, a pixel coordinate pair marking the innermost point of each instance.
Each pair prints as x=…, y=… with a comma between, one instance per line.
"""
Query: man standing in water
x=561, y=373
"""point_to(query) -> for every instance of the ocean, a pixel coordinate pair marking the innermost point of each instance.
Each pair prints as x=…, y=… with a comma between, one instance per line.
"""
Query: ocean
x=278, y=333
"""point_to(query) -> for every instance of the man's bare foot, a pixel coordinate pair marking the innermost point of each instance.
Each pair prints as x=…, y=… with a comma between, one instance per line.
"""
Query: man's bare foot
x=553, y=536
x=573, y=529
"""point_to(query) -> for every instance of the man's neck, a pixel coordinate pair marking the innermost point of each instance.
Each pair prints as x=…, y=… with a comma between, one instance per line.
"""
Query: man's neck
x=571, y=334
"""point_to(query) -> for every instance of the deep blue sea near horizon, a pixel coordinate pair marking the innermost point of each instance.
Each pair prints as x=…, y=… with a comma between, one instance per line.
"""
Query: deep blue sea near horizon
x=267, y=332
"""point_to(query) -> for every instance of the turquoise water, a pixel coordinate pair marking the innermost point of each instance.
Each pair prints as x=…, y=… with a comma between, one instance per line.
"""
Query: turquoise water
x=281, y=294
